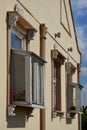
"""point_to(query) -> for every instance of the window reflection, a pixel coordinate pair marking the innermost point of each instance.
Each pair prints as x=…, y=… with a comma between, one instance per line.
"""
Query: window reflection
x=16, y=42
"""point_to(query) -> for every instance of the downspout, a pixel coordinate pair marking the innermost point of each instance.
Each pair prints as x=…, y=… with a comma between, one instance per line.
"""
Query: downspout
x=42, y=55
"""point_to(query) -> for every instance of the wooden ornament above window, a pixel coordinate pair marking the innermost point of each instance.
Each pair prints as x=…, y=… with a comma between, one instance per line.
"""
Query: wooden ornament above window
x=56, y=55
x=70, y=67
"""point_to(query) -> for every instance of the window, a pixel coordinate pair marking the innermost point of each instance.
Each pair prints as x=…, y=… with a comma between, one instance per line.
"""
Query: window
x=74, y=97
x=57, y=86
x=73, y=91
x=37, y=72
x=27, y=79
x=18, y=40
x=25, y=68
x=57, y=61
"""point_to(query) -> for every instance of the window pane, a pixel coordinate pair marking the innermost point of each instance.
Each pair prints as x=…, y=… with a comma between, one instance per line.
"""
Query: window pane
x=79, y=100
x=54, y=87
x=70, y=96
x=18, y=78
x=74, y=96
x=38, y=84
x=16, y=42
x=34, y=81
x=42, y=85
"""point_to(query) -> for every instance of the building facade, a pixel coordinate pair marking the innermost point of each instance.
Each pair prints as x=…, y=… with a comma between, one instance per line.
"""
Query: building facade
x=40, y=66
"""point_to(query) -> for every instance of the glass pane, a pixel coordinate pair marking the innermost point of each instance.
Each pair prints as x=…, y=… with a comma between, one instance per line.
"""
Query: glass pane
x=70, y=96
x=38, y=84
x=54, y=87
x=74, y=96
x=18, y=78
x=16, y=42
x=79, y=99
x=42, y=84
x=34, y=84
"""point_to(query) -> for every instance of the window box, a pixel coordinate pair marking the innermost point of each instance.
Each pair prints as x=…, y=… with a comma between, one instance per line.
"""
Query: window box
x=27, y=79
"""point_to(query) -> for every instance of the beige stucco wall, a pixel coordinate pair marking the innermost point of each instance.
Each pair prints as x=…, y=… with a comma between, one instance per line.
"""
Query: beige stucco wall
x=48, y=12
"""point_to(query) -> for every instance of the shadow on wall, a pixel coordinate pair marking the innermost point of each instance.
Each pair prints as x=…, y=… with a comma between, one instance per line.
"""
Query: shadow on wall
x=19, y=121
x=68, y=121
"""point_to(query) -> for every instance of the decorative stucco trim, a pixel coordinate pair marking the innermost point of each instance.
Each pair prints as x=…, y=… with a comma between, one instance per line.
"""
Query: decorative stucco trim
x=61, y=21
x=49, y=32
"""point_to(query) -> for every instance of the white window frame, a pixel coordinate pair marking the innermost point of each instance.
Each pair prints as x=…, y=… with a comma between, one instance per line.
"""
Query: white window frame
x=21, y=36
x=36, y=82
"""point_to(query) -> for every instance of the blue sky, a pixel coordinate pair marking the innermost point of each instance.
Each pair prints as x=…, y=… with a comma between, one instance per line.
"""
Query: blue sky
x=79, y=8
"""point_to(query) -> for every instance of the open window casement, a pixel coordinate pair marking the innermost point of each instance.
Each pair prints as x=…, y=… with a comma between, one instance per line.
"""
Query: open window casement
x=79, y=97
x=74, y=91
x=27, y=79
x=74, y=98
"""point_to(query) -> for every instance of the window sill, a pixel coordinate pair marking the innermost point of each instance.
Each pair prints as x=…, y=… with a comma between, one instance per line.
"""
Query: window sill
x=24, y=104
x=58, y=113
x=80, y=112
x=71, y=114
x=73, y=111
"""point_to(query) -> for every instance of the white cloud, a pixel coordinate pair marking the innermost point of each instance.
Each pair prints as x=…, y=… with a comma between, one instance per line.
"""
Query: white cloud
x=80, y=9
x=84, y=96
x=82, y=39
x=79, y=6
x=83, y=71
x=85, y=89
